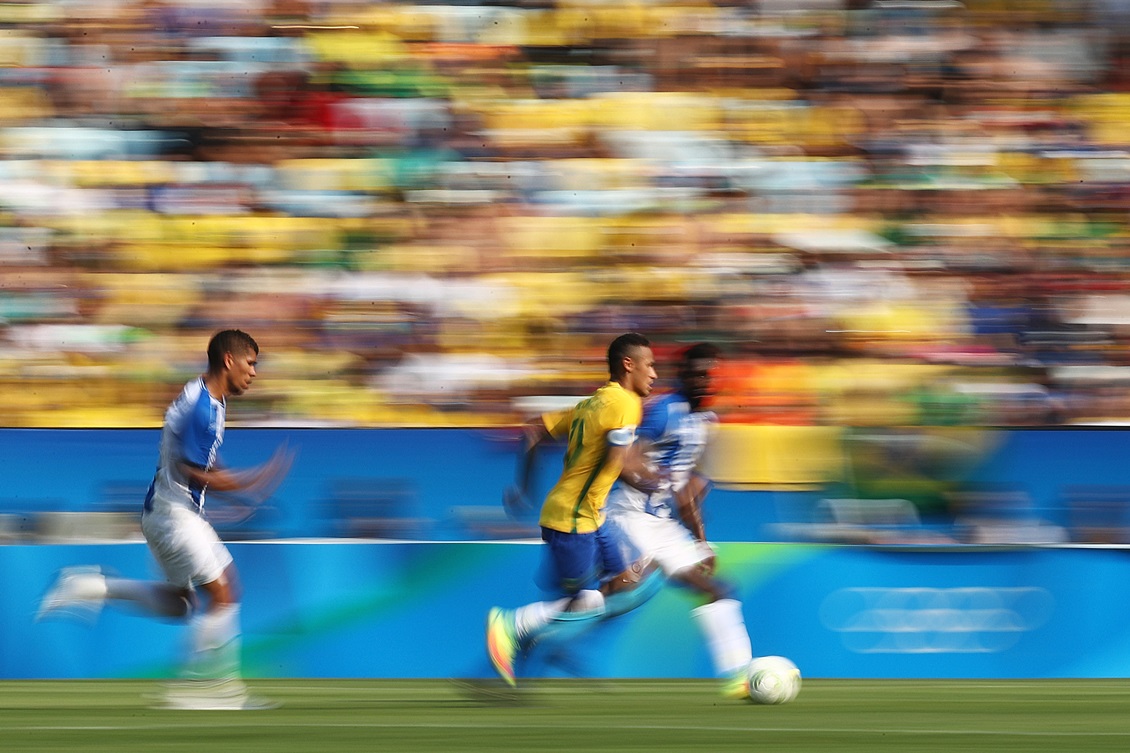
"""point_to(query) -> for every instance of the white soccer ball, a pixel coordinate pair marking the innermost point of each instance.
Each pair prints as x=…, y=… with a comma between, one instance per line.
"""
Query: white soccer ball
x=773, y=680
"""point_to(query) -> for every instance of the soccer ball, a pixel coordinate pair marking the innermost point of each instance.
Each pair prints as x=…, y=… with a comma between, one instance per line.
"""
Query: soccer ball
x=773, y=680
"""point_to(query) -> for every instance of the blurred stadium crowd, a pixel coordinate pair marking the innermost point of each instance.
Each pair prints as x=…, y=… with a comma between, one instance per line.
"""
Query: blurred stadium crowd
x=896, y=213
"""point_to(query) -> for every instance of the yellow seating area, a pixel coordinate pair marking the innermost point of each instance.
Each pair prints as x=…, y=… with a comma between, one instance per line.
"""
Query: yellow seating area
x=427, y=213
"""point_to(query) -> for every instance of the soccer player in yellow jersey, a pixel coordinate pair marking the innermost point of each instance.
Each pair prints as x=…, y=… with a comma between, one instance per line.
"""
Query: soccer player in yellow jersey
x=587, y=556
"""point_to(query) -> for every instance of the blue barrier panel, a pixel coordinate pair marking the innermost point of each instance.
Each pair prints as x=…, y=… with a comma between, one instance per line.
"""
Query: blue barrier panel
x=364, y=609
x=369, y=609
x=416, y=483
x=434, y=484
x=446, y=484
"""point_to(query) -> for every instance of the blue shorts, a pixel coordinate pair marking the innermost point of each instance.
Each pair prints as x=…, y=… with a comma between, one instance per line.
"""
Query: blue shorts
x=582, y=560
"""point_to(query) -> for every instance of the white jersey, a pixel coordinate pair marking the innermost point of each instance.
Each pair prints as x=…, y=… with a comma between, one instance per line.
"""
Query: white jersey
x=677, y=437
x=192, y=433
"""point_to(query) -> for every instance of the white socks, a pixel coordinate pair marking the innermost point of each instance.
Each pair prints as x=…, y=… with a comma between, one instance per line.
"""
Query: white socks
x=215, y=643
x=727, y=640
x=531, y=619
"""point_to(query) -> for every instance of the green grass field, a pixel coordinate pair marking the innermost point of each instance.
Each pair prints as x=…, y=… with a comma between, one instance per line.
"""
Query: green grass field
x=343, y=716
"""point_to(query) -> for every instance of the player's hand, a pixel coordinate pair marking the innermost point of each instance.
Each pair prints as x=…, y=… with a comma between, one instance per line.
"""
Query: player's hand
x=262, y=481
x=650, y=481
x=532, y=435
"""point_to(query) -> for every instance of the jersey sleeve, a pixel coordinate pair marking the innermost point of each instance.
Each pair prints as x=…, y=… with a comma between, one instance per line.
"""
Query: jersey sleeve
x=620, y=419
x=198, y=433
x=557, y=423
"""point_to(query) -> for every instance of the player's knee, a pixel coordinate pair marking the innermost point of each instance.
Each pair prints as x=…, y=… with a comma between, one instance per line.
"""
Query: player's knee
x=636, y=574
x=183, y=603
x=231, y=578
x=222, y=591
x=709, y=586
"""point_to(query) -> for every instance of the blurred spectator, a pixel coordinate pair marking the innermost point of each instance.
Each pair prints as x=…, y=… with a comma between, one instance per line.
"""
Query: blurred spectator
x=890, y=213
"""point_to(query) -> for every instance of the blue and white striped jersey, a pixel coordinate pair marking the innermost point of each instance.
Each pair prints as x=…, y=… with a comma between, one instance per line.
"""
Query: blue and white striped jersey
x=192, y=433
x=677, y=438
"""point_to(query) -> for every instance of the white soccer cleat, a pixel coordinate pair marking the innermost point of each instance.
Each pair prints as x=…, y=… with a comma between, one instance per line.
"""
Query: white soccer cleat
x=77, y=592
x=210, y=695
x=247, y=703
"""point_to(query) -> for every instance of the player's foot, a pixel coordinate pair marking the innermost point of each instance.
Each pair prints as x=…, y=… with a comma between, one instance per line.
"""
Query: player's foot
x=248, y=703
x=205, y=695
x=77, y=592
x=736, y=687
x=502, y=643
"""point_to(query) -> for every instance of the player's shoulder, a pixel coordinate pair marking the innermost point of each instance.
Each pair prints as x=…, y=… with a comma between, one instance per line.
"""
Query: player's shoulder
x=667, y=405
x=188, y=396
x=664, y=400
x=616, y=394
x=194, y=404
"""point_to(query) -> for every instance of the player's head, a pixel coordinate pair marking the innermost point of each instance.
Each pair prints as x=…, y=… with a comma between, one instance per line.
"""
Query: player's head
x=631, y=363
x=696, y=372
x=232, y=356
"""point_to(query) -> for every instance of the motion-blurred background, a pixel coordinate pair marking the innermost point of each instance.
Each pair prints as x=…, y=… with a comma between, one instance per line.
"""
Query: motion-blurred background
x=903, y=220
x=888, y=212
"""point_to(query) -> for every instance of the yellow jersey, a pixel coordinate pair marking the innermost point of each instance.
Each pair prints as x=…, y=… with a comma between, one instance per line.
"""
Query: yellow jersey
x=575, y=504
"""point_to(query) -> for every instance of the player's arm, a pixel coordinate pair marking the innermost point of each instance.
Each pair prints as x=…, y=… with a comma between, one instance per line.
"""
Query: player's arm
x=688, y=502
x=260, y=480
x=636, y=470
x=535, y=432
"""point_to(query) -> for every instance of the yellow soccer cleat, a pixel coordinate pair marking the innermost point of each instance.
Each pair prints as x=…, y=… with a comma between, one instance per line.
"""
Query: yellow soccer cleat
x=502, y=643
x=736, y=687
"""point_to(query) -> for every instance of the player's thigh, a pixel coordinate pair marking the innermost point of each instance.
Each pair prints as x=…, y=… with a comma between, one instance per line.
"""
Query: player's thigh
x=665, y=541
x=617, y=530
x=574, y=559
x=185, y=546
x=613, y=550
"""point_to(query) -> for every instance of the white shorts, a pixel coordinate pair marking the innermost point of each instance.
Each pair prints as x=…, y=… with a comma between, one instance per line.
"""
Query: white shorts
x=665, y=540
x=185, y=545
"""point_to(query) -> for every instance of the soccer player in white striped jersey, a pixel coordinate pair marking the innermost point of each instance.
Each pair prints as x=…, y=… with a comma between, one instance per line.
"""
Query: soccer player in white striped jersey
x=666, y=526
x=189, y=551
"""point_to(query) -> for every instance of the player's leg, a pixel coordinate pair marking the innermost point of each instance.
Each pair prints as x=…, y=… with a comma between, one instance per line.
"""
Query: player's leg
x=621, y=579
x=82, y=591
x=626, y=578
x=637, y=576
x=214, y=670
x=684, y=560
x=215, y=629
x=193, y=557
x=571, y=559
x=723, y=628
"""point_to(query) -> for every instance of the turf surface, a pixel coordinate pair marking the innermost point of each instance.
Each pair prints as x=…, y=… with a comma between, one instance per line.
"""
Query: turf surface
x=342, y=716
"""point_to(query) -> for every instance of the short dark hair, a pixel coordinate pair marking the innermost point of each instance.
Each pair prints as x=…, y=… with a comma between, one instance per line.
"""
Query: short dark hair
x=698, y=352
x=621, y=348
x=229, y=341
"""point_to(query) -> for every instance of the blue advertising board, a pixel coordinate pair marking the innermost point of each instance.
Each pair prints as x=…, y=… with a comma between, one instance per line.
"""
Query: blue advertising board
x=383, y=550
x=384, y=609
